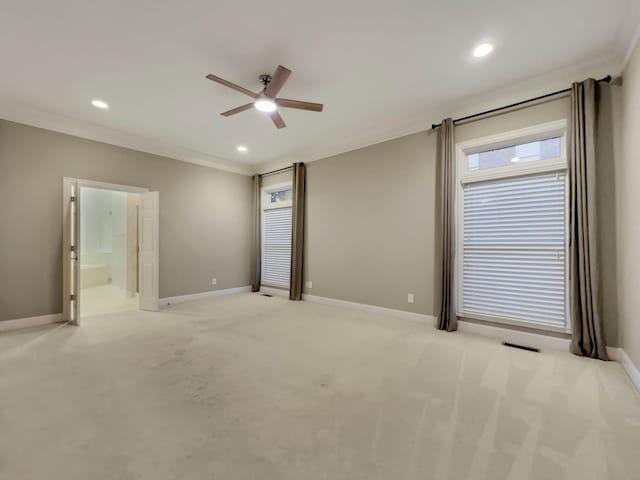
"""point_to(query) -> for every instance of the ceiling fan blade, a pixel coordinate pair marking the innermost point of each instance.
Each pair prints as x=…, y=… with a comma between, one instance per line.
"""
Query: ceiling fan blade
x=239, y=109
x=277, y=119
x=314, y=107
x=237, y=88
x=277, y=81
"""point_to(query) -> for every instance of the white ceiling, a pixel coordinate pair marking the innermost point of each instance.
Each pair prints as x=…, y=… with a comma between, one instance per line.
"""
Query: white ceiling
x=381, y=67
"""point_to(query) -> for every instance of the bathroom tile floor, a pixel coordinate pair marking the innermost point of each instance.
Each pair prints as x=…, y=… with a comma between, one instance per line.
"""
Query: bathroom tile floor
x=105, y=299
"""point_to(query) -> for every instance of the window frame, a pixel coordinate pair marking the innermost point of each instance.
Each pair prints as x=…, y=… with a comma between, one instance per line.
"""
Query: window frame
x=560, y=165
x=265, y=193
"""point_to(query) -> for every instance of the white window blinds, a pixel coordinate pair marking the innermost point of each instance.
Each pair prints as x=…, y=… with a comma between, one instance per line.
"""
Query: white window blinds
x=276, y=247
x=514, y=244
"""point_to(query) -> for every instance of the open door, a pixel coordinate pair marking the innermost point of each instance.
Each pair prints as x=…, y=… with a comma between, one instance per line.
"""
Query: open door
x=71, y=251
x=149, y=254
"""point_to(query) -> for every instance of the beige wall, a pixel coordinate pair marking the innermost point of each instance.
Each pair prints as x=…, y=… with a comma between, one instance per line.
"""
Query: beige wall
x=371, y=224
x=205, y=216
x=372, y=221
x=628, y=220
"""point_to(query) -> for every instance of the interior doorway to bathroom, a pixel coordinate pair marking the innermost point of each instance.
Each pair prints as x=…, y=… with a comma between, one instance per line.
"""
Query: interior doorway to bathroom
x=108, y=251
x=110, y=247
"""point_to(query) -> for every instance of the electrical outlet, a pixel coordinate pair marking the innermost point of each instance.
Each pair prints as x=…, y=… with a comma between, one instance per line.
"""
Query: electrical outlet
x=214, y=281
x=309, y=284
x=410, y=298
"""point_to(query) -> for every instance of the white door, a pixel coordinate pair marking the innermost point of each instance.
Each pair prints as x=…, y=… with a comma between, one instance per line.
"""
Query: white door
x=71, y=251
x=149, y=255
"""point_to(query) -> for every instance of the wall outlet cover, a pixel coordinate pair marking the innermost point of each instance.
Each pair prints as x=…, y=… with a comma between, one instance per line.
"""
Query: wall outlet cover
x=309, y=284
x=410, y=298
x=214, y=281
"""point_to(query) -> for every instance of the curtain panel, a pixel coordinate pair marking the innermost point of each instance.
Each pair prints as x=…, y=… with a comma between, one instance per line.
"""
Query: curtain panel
x=297, y=231
x=446, y=152
x=586, y=323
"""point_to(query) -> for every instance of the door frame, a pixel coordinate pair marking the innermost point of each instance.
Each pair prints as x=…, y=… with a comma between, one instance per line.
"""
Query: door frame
x=67, y=183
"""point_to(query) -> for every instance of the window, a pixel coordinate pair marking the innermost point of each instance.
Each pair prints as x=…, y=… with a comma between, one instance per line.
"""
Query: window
x=276, y=235
x=281, y=196
x=524, y=152
x=513, y=228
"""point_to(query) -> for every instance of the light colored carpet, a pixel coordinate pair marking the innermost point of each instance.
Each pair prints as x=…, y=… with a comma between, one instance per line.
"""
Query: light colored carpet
x=250, y=387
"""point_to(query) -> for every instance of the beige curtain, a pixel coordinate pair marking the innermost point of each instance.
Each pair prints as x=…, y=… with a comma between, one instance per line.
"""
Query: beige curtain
x=257, y=240
x=587, y=333
x=446, y=153
x=297, y=231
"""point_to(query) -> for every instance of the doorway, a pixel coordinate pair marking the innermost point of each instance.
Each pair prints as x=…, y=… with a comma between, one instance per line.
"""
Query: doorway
x=110, y=248
x=108, y=251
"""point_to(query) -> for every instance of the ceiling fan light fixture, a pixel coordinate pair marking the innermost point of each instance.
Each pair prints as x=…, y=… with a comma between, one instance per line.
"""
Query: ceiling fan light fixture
x=265, y=105
x=483, y=50
x=101, y=104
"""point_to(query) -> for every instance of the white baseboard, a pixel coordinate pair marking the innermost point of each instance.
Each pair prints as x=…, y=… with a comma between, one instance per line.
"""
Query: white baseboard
x=199, y=296
x=632, y=370
x=419, y=317
x=28, y=322
x=529, y=339
x=614, y=353
x=276, y=292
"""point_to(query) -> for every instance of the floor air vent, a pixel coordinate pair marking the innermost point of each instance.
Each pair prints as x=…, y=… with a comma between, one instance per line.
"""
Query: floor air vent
x=521, y=347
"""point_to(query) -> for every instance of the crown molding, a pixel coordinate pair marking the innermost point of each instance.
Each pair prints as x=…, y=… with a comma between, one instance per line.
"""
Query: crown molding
x=503, y=95
x=612, y=63
x=631, y=47
x=28, y=115
x=628, y=32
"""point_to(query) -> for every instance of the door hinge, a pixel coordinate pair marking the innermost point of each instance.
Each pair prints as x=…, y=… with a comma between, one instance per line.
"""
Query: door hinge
x=73, y=248
x=73, y=198
x=72, y=297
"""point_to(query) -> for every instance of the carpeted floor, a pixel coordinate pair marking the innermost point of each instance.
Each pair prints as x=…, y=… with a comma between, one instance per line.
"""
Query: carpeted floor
x=250, y=387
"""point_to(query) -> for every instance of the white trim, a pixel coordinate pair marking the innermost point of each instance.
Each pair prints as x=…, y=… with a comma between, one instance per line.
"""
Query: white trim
x=79, y=183
x=512, y=137
x=529, y=339
x=557, y=128
x=54, y=122
x=539, y=340
x=274, y=188
x=276, y=292
x=163, y=302
x=19, y=323
x=631, y=47
x=268, y=206
x=418, y=317
x=614, y=353
x=532, y=86
x=105, y=186
x=628, y=33
x=632, y=370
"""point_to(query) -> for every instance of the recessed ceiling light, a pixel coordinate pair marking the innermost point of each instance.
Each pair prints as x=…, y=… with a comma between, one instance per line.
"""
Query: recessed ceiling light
x=265, y=105
x=482, y=50
x=515, y=159
x=100, y=104
x=242, y=149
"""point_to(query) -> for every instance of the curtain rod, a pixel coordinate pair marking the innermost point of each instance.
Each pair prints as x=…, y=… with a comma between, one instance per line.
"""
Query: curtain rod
x=606, y=79
x=273, y=172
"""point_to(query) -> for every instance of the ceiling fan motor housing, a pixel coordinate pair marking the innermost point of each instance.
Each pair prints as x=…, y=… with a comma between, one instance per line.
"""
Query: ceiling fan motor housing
x=265, y=79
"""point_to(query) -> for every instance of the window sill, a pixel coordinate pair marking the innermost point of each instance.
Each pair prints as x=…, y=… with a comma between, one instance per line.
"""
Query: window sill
x=518, y=324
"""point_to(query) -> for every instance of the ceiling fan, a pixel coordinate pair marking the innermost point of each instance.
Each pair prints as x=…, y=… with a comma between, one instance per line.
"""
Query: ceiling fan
x=265, y=100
